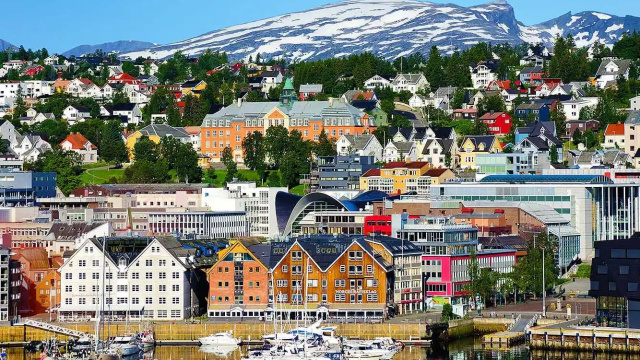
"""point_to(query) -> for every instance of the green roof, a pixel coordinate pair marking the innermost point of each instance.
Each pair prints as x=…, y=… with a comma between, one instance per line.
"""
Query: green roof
x=288, y=85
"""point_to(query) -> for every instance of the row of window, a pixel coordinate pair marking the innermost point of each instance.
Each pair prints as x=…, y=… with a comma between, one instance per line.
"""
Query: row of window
x=121, y=288
x=123, y=275
x=122, y=300
x=122, y=261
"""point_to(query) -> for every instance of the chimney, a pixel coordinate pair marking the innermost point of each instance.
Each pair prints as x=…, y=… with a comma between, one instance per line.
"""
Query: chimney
x=239, y=102
x=330, y=102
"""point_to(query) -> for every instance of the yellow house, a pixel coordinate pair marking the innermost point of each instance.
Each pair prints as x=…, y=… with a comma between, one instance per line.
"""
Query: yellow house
x=398, y=178
x=476, y=145
x=155, y=132
x=193, y=87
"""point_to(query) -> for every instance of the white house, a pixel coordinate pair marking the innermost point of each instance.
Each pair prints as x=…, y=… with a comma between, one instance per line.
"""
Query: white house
x=363, y=145
x=9, y=91
x=29, y=147
x=400, y=151
x=377, y=81
x=483, y=73
x=8, y=131
x=572, y=108
x=76, y=87
x=77, y=143
x=434, y=152
x=270, y=79
x=75, y=113
x=151, y=282
x=635, y=103
x=51, y=60
x=610, y=70
x=410, y=82
x=36, y=88
x=130, y=110
x=614, y=136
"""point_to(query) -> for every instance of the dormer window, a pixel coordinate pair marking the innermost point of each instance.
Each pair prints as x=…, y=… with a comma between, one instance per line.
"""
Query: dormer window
x=122, y=262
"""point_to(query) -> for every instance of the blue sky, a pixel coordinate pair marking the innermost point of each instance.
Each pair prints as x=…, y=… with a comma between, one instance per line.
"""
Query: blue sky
x=61, y=25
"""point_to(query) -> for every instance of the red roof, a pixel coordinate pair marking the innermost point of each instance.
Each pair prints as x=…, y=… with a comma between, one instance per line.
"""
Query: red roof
x=85, y=81
x=465, y=111
x=614, y=130
x=394, y=164
x=77, y=141
x=366, y=95
x=435, y=172
x=493, y=116
x=504, y=84
x=408, y=165
x=372, y=172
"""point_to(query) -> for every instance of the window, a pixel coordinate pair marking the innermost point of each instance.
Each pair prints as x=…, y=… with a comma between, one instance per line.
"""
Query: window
x=135, y=288
x=148, y=287
x=95, y=276
x=342, y=268
x=96, y=263
x=312, y=283
x=162, y=301
x=162, y=287
x=162, y=262
x=340, y=297
x=148, y=276
x=82, y=262
x=68, y=288
x=624, y=270
x=175, y=275
x=175, y=314
x=281, y=283
x=67, y=301
x=175, y=300
x=148, y=301
x=372, y=283
x=296, y=255
x=372, y=297
x=135, y=301
x=162, y=275
x=68, y=276
x=355, y=255
x=296, y=269
x=309, y=269
x=135, y=276
x=82, y=276
x=148, y=263
x=176, y=287
x=285, y=268
x=162, y=314
x=122, y=287
x=370, y=269
x=82, y=301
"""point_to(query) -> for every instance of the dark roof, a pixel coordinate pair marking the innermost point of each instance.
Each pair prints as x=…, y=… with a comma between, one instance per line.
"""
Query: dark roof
x=123, y=107
x=366, y=105
x=69, y=232
x=262, y=252
x=80, y=108
x=480, y=139
x=405, y=131
x=504, y=242
x=273, y=73
x=190, y=83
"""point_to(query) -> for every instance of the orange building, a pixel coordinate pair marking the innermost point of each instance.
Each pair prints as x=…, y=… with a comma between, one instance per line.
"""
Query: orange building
x=333, y=277
x=34, y=265
x=48, y=291
x=238, y=281
x=229, y=126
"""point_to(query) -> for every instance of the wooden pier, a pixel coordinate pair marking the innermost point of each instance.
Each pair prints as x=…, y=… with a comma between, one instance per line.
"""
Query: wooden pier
x=502, y=340
x=611, y=340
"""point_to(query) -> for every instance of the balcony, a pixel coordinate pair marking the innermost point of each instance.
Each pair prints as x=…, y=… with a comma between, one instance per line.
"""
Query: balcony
x=238, y=292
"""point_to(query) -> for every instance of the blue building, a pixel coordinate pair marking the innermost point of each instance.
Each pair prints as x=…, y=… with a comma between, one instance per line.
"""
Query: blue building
x=343, y=172
x=22, y=188
x=533, y=111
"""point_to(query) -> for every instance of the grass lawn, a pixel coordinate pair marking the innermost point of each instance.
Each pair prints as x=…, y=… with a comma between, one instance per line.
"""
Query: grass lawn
x=100, y=176
x=298, y=190
x=584, y=271
x=221, y=174
x=96, y=165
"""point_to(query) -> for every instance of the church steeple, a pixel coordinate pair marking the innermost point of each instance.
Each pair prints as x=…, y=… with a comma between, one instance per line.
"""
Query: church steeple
x=288, y=93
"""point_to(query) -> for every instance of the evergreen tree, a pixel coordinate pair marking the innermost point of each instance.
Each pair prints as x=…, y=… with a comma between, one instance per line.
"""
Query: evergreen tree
x=111, y=148
x=434, y=69
x=553, y=154
x=229, y=162
x=145, y=149
x=19, y=107
x=325, y=147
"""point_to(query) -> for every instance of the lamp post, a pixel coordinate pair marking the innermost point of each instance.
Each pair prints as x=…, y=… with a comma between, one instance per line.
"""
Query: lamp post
x=544, y=307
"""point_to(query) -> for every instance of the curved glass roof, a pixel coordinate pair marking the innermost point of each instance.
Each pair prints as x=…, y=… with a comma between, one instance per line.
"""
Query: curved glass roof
x=547, y=179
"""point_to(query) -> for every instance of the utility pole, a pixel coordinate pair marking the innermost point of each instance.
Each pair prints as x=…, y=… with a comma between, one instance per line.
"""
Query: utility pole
x=544, y=308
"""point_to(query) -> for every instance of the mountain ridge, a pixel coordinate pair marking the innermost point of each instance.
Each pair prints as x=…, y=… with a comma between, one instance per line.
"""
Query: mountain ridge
x=113, y=46
x=391, y=28
x=4, y=45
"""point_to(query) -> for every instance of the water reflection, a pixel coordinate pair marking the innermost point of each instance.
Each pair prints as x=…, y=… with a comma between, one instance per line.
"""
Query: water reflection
x=467, y=349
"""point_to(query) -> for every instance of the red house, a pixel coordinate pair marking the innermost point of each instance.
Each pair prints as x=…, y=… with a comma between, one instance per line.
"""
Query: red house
x=33, y=70
x=499, y=122
x=123, y=78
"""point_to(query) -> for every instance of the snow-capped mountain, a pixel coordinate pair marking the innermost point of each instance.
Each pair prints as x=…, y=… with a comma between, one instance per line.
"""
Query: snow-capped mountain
x=4, y=45
x=116, y=46
x=390, y=28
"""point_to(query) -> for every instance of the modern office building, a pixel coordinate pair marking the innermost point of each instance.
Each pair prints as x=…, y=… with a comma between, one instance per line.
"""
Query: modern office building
x=446, y=252
x=10, y=280
x=22, y=188
x=219, y=225
x=259, y=204
x=594, y=205
x=342, y=172
x=615, y=275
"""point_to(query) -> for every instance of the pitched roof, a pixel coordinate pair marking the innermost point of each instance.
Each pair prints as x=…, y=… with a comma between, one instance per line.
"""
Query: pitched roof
x=404, y=147
x=358, y=142
x=311, y=88
x=69, y=232
x=614, y=130
x=531, y=69
x=493, y=115
x=162, y=130
x=623, y=66
x=124, y=107
x=190, y=83
x=411, y=78
x=78, y=141
x=366, y=95
x=37, y=258
x=80, y=108
x=405, y=131
x=436, y=172
x=371, y=172
x=476, y=140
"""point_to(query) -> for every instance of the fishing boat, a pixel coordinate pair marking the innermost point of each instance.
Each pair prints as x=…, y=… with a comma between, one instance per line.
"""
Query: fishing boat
x=220, y=339
x=126, y=345
x=148, y=340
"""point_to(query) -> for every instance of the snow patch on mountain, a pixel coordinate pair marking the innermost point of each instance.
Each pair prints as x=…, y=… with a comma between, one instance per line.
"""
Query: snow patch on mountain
x=390, y=28
x=123, y=46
